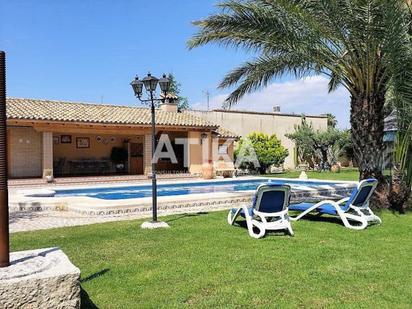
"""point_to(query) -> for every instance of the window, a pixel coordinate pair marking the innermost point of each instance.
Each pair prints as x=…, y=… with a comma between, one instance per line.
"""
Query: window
x=222, y=149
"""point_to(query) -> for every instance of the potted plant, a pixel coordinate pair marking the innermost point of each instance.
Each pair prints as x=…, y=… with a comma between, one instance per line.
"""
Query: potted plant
x=335, y=168
x=207, y=170
x=119, y=157
x=48, y=175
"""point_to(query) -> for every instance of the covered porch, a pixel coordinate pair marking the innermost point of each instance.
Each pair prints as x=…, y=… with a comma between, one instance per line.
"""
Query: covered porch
x=63, y=150
x=49, y=139
x=91, y=154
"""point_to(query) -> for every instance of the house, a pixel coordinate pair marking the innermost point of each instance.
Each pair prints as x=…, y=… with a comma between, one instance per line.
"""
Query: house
x=245, y=122
x=60, y=138
x=389, y=137
x=390, y=128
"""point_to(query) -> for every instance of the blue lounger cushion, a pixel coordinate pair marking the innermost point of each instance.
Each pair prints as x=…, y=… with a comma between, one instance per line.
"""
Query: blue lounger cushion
x=242, y=213
x=325, y=208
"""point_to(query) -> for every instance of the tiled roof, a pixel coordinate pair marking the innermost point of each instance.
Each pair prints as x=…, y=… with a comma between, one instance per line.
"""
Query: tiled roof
x=30, y=109
x=226, y=133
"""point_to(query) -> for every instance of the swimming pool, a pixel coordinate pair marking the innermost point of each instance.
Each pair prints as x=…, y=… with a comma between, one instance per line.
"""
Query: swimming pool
x=141, y=191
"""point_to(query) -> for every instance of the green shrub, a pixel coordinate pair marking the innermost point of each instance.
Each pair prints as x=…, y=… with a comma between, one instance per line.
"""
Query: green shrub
x=268, y=149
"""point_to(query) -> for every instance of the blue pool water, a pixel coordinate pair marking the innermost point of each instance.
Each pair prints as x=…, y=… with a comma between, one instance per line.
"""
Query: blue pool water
x=129, y=192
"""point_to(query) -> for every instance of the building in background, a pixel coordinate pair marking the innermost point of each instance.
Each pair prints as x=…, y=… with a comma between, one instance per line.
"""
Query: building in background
x=389, y=137
x=245, y=122
x=55, y=138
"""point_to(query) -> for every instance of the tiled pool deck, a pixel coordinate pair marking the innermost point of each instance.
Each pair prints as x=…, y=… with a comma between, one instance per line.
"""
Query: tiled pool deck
x=70, y=181
x=23, y=221
x=30, y=213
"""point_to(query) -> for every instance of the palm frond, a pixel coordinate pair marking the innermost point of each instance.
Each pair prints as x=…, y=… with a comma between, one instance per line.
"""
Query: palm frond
x=334, y=82
x=256, y=74
x=398, y=53
x=339, y=38
x=403, y=154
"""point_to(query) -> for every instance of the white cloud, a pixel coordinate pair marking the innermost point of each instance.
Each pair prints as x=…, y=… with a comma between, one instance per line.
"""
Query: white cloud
x=309, y=96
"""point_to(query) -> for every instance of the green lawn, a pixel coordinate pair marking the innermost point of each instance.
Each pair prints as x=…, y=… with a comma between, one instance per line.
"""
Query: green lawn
x=345, y=174
x=203, y=262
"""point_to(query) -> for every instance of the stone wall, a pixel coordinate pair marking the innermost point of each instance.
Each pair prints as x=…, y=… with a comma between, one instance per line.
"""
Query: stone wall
x=25, y=152
x=244, y=123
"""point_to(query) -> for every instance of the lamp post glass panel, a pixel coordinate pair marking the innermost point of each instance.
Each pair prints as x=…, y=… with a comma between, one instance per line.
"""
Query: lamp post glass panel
x=150, y=84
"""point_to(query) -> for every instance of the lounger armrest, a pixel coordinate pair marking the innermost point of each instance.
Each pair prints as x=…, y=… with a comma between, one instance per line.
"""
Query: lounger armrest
x=270, y=214
x=262, y=218
x=314, y=206
x=366, y=206
x=344, y=200
x=326, y=202
x=264, y=215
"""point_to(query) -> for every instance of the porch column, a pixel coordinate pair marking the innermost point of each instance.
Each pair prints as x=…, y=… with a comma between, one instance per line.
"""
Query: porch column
x=147, y=154
x=195, y=153
x=47, y=154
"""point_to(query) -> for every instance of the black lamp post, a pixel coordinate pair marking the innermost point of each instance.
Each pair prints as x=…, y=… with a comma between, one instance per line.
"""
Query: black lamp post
x=150, y=84
x=4, y=207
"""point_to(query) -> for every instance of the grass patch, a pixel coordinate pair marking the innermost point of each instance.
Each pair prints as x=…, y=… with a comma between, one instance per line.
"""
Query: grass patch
x=345, y=174
x=203, y=262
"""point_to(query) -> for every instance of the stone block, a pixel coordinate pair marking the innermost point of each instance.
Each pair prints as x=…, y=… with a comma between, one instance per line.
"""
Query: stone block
x=154, y=225
x=42, y=278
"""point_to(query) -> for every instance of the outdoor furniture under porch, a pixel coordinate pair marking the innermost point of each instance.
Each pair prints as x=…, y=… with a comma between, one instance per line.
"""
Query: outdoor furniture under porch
x=89, y=167
x=63, y=167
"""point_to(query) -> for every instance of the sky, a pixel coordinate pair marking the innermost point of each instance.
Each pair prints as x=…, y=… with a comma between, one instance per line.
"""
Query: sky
x=89, y=51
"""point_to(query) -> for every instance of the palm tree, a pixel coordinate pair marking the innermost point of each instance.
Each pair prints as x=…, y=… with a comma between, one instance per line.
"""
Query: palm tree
x=400, y=186
x=399, y=97
x=332, y=122
x=350, y=41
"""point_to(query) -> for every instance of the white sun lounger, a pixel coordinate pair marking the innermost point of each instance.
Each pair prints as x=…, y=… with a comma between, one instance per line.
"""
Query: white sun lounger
x=268, y=212
x=351, y=209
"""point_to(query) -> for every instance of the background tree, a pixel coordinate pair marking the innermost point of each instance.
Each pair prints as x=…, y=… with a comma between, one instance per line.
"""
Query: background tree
x=268, y=149
x=320, y=146
x=332, y=122
x=353, y=42
x=399, y=98
x=303, y=138
x=183, y=102
x=342, y=147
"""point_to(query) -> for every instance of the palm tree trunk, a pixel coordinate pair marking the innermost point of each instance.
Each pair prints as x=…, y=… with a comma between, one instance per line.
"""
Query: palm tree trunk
x=367, y=121
x=400, y=191
x=324, y=154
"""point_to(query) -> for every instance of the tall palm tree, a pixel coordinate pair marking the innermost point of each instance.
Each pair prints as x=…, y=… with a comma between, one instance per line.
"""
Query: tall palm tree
x=400, y=186
x=332, y=122
x=400, y=98
x=346, y=40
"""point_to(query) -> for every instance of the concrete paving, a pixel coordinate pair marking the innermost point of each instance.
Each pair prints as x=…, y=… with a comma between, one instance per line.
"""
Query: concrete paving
x=42, y=220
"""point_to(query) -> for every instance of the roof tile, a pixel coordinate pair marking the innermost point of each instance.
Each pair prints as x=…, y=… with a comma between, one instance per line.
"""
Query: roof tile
x=224, y=133
x=30, y=109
